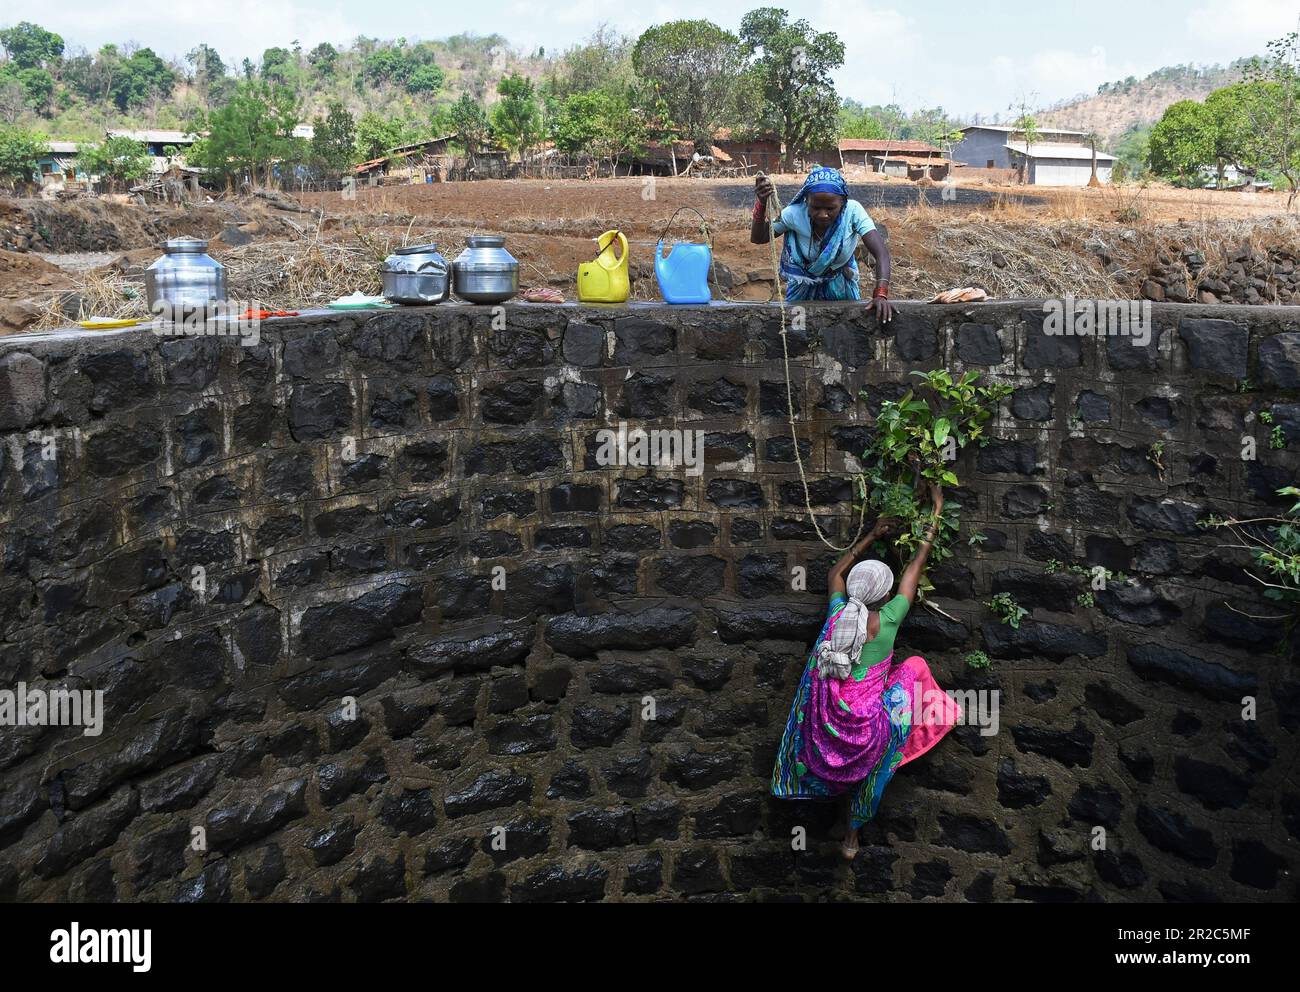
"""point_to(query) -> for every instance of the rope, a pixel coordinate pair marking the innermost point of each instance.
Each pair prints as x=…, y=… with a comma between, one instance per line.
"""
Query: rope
x=775, y=201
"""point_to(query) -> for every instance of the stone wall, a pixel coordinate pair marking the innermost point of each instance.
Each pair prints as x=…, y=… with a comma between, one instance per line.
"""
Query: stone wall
x=1248, y=274
x=406, y=508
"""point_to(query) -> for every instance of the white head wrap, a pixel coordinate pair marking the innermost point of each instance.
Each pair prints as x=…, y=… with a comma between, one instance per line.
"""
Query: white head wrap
x=868, y=582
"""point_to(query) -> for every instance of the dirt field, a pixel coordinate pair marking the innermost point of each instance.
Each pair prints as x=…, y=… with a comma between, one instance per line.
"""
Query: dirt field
x=87, y=256
x=551, y=226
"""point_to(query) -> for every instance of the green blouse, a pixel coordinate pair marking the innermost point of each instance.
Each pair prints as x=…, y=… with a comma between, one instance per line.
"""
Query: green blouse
x=881, y=646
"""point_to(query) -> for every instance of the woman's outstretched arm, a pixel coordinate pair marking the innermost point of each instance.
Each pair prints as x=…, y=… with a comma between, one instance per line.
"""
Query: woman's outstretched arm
x=880, y=296
x=916, y=567
x=758, y=230
x=835, y=576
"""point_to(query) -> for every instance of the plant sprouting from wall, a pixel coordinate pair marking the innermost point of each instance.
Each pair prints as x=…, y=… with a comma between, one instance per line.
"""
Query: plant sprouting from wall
x=917, y=439
x=1274, y=543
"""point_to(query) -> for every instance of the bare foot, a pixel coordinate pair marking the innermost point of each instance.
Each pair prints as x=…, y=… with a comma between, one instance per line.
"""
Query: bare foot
x=849, y=848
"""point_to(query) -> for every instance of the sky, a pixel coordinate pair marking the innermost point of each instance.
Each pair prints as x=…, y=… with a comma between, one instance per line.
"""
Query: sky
x=968, y=57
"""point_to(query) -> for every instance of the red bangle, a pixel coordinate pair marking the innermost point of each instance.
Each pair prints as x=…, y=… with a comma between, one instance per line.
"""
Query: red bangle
x=881, y=293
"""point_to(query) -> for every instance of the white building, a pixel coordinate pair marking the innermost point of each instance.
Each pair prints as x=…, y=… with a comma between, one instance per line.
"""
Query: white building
x=1058, y=157
x=1052, y=164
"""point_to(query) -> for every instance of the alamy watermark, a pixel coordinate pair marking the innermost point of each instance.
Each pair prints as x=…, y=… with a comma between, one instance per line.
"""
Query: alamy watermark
x=1099, y=318
x=933, y=707
x=29, y=707
x=670, y=448
x=95, y=946
x=220, y=318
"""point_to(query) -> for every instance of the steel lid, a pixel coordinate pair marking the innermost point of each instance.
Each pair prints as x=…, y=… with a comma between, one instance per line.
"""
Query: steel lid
x=430, y=248
x=486, y=240
x=185, y=245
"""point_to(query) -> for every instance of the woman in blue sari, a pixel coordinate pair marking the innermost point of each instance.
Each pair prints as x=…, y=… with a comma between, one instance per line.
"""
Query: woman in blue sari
x=822, y=228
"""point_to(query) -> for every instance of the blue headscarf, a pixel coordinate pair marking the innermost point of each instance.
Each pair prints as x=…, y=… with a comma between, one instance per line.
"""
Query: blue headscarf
x=822, y=179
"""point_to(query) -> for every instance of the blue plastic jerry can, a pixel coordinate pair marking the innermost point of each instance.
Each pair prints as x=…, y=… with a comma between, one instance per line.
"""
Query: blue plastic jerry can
x=684, y=274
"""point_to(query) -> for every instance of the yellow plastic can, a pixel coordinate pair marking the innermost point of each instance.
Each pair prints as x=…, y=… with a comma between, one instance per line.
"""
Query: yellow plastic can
x=605, y=279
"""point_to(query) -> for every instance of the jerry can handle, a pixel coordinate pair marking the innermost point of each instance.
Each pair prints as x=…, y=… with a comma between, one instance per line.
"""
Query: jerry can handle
x=704, y=225
x=606, y=241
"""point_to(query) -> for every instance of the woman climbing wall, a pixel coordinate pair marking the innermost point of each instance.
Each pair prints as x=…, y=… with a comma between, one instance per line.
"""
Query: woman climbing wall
x=822, y=227
x=857, y=715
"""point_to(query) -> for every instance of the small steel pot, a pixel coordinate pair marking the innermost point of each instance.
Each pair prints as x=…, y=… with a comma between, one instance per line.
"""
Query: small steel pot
x=416, y=274
x=485, y=272
x=185, y=280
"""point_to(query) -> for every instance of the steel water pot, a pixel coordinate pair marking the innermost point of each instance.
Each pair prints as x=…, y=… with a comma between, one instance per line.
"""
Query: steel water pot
x=185, y=280
x=416, y=274
x=485, y=272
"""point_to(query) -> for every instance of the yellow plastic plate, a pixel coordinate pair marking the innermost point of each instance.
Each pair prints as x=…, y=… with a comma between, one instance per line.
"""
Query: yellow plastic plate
x=104, y=323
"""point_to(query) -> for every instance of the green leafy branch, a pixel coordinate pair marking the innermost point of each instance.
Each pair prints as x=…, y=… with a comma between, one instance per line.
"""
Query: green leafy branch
x=1274, y=542
x=917, y=439
x=1007, y=610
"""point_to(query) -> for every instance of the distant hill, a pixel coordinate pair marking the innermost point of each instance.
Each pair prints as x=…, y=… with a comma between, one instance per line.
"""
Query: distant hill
x=1130, y=104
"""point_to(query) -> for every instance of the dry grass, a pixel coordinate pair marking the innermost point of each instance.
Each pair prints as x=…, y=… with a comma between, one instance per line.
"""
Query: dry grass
x=1097, y=243
x=103, y=293
x=308, y=272
x=1008, y=260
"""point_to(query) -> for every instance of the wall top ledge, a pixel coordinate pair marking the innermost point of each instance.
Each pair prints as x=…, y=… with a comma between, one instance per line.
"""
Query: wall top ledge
x=79, y=336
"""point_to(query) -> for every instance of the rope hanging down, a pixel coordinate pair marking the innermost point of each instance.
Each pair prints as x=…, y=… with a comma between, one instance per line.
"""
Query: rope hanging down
x=773, y=206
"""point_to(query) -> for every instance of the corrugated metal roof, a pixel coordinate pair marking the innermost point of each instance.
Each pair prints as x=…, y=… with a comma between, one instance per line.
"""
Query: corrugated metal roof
x=876, y=145
x=166, y=137
x=63, y=147
x=914, y=159
x=1004, y=127
x=1048, y=149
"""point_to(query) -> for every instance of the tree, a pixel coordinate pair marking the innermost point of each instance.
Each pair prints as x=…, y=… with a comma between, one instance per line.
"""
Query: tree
x=602, y=62
x=323, y=58
x=933, y=126
x=601, y=123
x=388, y=65
x=376, y=134
x=92, y=77
x=1133, y=149
x=440, y=121
x=1182, y=141
x=119, y=160
x=793, y=65
x=37, y=84
x=250, y=133
x=695, y=68
x=277, y=65
x=515, y=120
x=13, y=100
x=427, y=79
x=140, y=78
x=470, y=122
x=334, y=138
x=857, y=121
x=1092, y=138
x=206, y=63
x=209, y=73
x=1272, y=111
x=1226, y=107
x=30, y=46
x=1026, y=124
x=20, y=151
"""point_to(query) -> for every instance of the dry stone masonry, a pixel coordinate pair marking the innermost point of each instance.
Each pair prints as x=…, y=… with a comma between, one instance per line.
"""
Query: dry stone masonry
x=407, y=509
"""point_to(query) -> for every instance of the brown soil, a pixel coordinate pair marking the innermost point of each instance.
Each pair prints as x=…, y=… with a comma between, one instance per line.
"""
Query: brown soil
x=1010, y=240
x=25, y=274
